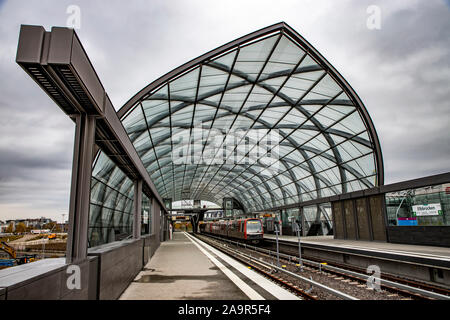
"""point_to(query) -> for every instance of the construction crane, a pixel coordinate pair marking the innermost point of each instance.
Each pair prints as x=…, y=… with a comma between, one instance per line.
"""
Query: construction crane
x=13, y=254
x=8, y=249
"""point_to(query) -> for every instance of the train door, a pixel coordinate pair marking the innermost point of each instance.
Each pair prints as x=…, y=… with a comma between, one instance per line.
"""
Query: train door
x=241, y=229
x=270, y=227
x=238, y=228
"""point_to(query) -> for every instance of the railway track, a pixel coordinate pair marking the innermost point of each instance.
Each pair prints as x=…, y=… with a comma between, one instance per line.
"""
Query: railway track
x=389, y=282
x=285, y=278
x=393, y=289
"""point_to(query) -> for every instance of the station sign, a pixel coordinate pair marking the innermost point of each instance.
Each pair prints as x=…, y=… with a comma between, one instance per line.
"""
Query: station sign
x=407, y=221
x=422, y=210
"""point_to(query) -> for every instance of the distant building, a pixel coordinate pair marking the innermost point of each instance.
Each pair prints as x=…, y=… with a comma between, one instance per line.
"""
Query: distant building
x=36, y=223
x=9, y=222
x=64, y=227
x=3, y=226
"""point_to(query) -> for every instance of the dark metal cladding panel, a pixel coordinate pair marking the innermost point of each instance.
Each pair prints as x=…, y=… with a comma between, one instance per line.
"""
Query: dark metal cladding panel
x=377, y=214
x=87, y=75
x=420, y=235
x=30, y=45
x=60, y=46
x=372, y=191
x=349, y=219
x=363, y=222
x=93, y=278
x=338, y=227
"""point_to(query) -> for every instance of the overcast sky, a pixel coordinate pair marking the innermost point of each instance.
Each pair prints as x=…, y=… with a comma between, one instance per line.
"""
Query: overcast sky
x=400, y=71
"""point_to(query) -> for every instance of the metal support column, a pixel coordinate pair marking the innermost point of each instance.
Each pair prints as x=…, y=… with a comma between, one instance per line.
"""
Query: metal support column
x=155, y=218
x=318, y=213
x=300, y=261
x=137, y=208
x=369, y=217
x=161, y=223
x=80, y=192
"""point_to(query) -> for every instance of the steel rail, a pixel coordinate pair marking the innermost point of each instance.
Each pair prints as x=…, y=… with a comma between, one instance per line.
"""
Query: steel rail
x=294, y=275
x=361, y=276
x=253, y=264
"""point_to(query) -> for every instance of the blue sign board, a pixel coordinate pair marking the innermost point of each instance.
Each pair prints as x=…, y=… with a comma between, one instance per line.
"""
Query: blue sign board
x=407, y=221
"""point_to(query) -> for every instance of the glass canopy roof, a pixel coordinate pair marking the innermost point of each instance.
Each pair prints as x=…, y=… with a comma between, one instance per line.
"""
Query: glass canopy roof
x=264, y=119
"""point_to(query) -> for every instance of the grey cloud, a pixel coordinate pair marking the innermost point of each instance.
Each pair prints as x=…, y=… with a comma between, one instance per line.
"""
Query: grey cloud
x=401, y=72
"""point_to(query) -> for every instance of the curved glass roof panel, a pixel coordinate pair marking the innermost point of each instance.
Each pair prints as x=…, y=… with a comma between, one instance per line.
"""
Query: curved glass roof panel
x=264, y=119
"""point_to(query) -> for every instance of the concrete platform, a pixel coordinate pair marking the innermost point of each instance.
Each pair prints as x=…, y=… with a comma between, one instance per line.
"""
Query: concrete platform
x=187, y=269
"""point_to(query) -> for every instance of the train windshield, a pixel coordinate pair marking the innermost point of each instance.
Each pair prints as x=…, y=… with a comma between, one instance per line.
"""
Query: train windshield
x=254, y=226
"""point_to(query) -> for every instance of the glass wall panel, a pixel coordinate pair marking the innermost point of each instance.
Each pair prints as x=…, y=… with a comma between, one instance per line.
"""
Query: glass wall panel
x=146, y=215
x=310, y=216
x=111, y=209
x=428, y=206
x=326, y=218
x=288, y=216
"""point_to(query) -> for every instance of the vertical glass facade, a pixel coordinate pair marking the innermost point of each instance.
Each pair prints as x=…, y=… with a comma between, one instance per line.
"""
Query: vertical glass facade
x=427, y=206
x=310, y=213
x=146, y=215
x=111, y=205
x=289, y=216
x=322, y=219
x=326, y=218
x=228, y=207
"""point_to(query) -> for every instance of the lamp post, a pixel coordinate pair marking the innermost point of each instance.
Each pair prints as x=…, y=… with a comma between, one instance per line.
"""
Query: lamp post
x=277, y=225
x=63, y=223
x=43, y=243
x=297, y=222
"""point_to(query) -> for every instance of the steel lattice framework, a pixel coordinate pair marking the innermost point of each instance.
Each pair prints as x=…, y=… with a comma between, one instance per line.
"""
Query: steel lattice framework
x=271, y=81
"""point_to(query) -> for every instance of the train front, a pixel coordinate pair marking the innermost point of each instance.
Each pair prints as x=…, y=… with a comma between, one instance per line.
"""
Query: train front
x=254, y=232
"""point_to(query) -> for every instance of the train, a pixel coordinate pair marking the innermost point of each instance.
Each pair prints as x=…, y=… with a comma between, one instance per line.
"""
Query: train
x=248, y=229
